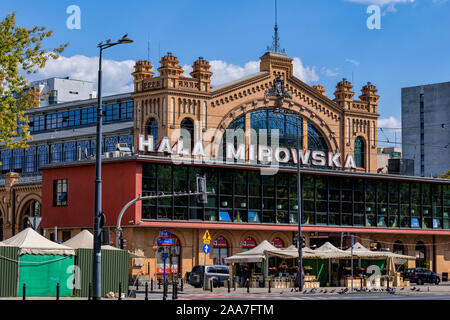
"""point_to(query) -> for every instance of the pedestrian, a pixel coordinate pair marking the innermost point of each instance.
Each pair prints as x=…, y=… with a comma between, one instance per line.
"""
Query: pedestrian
x=245, y=275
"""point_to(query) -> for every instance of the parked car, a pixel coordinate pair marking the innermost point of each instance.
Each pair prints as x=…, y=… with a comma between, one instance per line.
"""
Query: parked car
x=218, y=273
x=421, y=276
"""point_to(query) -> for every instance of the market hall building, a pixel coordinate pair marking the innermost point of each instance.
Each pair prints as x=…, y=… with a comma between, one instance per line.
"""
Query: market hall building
x=179, y=127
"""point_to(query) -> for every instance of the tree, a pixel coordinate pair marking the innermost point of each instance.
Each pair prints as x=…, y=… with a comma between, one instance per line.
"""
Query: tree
x=21, y=54
x=445, y=175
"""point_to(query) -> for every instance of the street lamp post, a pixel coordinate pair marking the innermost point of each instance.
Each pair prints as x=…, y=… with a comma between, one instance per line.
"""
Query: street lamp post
x=97, y=259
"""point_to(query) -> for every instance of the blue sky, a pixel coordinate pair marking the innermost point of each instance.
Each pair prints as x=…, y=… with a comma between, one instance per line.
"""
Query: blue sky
x=329, y=40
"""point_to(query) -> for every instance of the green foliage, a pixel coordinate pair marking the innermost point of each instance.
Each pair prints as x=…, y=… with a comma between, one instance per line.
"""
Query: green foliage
x=445, y=175
x=21, y=53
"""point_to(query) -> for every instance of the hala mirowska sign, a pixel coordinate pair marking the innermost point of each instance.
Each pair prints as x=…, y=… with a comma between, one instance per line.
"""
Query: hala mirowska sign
x=261, y=153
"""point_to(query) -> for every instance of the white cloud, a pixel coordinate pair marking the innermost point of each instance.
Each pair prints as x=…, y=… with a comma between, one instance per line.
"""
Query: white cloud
x=390, y=123
x=116, y=75
x=117, y=78
x=306, y=74
x=224, y=72
x=353, y=61
x=381, y=2
x=329, y=72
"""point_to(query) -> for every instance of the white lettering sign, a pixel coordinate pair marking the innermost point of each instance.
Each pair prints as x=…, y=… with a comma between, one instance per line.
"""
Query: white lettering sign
x=261, y=153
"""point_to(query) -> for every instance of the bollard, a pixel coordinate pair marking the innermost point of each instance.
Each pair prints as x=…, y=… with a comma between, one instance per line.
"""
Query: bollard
x=146, y=291
x=229, y=285
x=90, y=292
x=387, y=279
x=248, y=286
x=57, y=291
x=176, y=289
x=151, y=285
x=120, y=290
x=159, y=284
x=361, y=279
x=24, y=292
x=211, y=282
x=234, y=285
x=164, y=291
x=181, y=289
x=270, y=285
x=137, y=285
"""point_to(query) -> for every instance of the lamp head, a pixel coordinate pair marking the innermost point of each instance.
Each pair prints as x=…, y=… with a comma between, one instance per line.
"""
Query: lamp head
x=125, y=39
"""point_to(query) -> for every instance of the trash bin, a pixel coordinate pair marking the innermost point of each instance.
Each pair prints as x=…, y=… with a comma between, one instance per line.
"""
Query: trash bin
x=444, y=276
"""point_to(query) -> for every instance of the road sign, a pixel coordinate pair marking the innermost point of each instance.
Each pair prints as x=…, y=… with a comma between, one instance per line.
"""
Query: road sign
x=165, y=241
x=206, y=241
x=155, y=246
x=207, y=236
x=165, y=233
x=206, y=248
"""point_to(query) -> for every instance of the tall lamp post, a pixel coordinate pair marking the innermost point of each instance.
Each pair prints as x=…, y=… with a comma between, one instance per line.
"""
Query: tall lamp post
x=279, y=92
x=97, y=259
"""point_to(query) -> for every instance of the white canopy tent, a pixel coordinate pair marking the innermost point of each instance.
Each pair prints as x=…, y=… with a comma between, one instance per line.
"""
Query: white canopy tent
x=30, y=242
x=257, y=254
x=362, y=252
x=85, y=240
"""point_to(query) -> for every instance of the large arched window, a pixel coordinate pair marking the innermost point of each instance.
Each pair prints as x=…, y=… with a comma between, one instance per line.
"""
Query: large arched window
x=360, y=148
x=287, y=126
x=152, y=129
x=315, y=140
x=421, y=255
x=187, y=133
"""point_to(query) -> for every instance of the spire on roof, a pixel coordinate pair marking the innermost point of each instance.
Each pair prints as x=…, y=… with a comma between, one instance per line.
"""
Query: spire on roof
x=275, y=39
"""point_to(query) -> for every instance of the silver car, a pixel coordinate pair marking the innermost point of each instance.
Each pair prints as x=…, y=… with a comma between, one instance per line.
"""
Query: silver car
x=218, y=273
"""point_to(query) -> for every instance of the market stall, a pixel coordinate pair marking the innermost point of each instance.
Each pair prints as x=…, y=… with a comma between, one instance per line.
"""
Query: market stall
x=378, y=267
x=40, y=263
x=252, y=256
x=115, y=263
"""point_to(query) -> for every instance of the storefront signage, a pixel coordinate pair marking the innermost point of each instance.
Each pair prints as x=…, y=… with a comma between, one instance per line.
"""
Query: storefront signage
x=249, y=243
x=220, y=242
x=277, y=243
x=261, y=153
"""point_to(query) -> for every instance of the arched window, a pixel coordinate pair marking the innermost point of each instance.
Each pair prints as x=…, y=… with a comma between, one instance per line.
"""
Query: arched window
x=360, y=148
x=315, y=139
x=278, y=243
x=152, y=129
x=220, y=250
x=286, y=124
x=187, y=133
x=421, y=255
x=398, y=247
x=173, y=260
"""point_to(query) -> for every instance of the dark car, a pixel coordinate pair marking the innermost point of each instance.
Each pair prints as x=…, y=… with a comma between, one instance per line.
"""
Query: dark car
x=421, y=276
x=218, y=273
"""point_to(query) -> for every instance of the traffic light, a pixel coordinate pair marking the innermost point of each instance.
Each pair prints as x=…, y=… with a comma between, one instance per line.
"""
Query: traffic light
x=122, y=242
x=303, y=242
x=201, y=187
x=294, y=241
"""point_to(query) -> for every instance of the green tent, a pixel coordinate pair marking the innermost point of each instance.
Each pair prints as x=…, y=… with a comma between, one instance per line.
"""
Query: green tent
x=41, y=264
x=115, y=265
